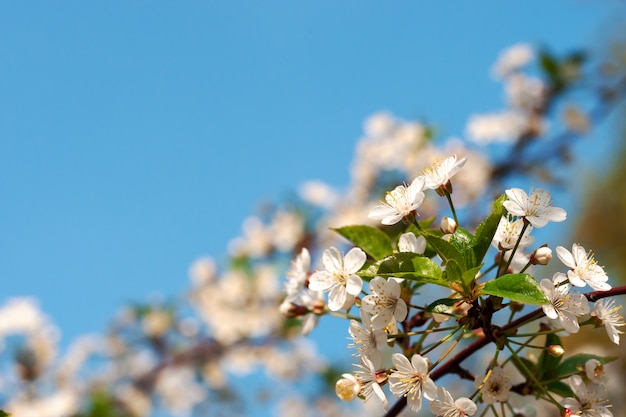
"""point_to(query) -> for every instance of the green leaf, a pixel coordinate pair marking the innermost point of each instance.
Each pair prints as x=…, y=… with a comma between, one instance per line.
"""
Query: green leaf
x=411, y=266
x=461, y=239
x=4, y=414
x=444, y=249
x=516, y=287
x=372, y=240
x=487, y=229
x=469, y=275
x=575, y=364
x=560, y=388
x=442, y=305
x=453, y=271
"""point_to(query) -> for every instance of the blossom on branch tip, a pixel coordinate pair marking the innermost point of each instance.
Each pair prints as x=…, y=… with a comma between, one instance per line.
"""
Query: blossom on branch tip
x=584, y=268
x=594, y=370
x=370, y=380
x=399, y=202
x=446, y=406
x=496, y=388
x=440, y=173
x=384, y=303
x=339, y=276
x=298, y=274
x=411, y=380
x=590, y=399
x=563, y=305
x=535, y=207
x=509, y=231
x=608, y=313
x=367, y=340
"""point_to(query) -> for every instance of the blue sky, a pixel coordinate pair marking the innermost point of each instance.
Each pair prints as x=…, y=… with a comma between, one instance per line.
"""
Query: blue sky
x=136, y=136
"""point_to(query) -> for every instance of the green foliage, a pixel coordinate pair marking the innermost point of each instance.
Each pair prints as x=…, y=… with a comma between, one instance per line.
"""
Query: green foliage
x=444, y=249
x=103, y=405
x=462, y=240
x=487, y=229
x=4, y=414
x=407, y=265
x=442, y=305
x=516, y=287
x=372, y=240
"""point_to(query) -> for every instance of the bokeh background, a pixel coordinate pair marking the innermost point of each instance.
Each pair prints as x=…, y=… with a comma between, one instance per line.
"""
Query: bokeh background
x=137, y=136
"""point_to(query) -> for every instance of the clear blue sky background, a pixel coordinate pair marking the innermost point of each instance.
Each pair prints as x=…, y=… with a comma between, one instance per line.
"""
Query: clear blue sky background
x=136, y=136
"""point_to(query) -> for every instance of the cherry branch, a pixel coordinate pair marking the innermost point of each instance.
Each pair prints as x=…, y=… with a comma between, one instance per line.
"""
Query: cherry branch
x=454, y=363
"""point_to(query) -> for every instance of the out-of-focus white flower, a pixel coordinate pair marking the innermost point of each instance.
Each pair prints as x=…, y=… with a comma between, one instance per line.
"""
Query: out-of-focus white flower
x=508, y=233
x=536, y=208
x=20, y=315
x=584, y=268
x=590, y=399
x=379, y=124
x=203, y=271
x=496, y=388
x=595, y=371
x=512, y=59
x=505, y=126
x=319, y=194
x=180, y=391
x=523, y=92
x=606, y=311
x=563, y=305
x=339, y=276
x=399, y=202
x=370, y=380
x=384, y=303
x=255, y=242
x=411, y=380
x=286, y=230
x=298, y=274
x=446, y=406
x=367, y=340
x=409, y=243
x=58, y=404
x=156, y=323
x=137, y=402
x=440, y=173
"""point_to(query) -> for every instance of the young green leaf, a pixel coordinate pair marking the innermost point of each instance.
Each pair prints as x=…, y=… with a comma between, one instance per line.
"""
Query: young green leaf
x=407, y=265
x=444, y=249
x=487, y=229
x=442, y=305
x=575, y=364
x=372, y=240
x=462, y=240
x=516, y=287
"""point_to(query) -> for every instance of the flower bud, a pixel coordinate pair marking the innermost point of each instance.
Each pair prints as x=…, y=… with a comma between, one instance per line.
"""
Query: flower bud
x=556, y=350
x=448, y=225
x=318, y=307
x=541, y=256
x=347, y=388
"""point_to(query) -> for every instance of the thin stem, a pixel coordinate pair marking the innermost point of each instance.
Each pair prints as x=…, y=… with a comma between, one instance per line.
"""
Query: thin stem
x=449, y=197
x=519, y=239
x=409, y=334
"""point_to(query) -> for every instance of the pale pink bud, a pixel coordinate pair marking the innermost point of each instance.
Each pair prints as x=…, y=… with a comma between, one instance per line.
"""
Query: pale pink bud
x=448, y=225
x=541, y=256
x=556, y=350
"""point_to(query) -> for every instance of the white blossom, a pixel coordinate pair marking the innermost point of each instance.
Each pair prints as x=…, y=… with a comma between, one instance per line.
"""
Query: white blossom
x=584, y=268
x=594, y=370
x=536, y=208
x=440, y=172
x=369, y=379
x=564, y=305
x=298, y=274
x=590, y=399
x=445, y=406
x=411, y=380
x=606, y=311
x=339, y=276
x=399, y=202
x=408, y=242
x=367, y=340
x=509, y=231
x=496, y=388
x=512, y=59
x=384, y=303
